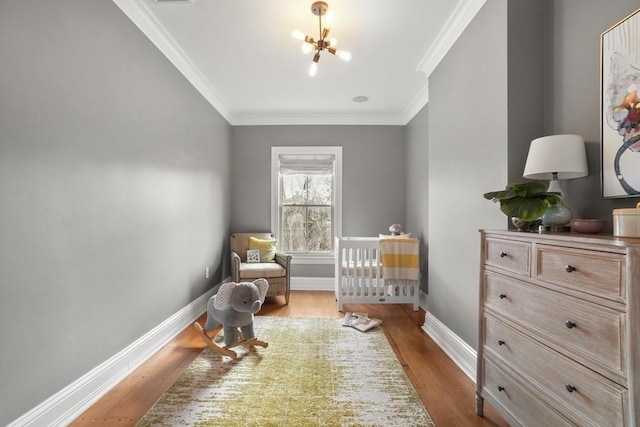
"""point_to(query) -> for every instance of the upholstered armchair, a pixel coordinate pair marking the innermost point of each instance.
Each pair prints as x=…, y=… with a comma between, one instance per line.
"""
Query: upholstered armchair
x=272, y=265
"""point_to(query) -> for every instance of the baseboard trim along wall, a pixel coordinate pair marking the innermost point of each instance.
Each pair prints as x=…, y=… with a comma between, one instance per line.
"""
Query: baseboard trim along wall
x=69, y=403
x=459, y=351
x=313, y=284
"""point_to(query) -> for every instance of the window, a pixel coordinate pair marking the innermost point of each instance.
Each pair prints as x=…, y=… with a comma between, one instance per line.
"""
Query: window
x=306, y=200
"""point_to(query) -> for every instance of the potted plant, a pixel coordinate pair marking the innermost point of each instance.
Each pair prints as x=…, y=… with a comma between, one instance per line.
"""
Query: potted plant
x=525, y=202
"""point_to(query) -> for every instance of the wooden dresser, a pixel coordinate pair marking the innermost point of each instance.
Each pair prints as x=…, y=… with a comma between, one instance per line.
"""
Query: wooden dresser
x=559, y=331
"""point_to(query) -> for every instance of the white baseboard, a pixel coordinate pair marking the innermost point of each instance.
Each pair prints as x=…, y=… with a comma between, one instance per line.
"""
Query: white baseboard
x=313, y=284
x=70, y=402
x=459, y=351
x=423, y=301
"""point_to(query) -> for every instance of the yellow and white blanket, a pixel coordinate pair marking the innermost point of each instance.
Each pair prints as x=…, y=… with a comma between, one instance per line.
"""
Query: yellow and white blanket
x=400, y=258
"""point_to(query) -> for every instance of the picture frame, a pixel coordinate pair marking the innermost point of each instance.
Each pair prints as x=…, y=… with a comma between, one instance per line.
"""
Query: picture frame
x=620, y=108
x=253, y=255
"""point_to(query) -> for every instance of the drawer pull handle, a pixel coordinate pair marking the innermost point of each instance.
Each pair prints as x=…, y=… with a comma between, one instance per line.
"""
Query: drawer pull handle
x=500, y=342
x=570, y=388
x=500, y=388
x=569, y=324
x=502, y=296
x=503, y=254
x=569, y=268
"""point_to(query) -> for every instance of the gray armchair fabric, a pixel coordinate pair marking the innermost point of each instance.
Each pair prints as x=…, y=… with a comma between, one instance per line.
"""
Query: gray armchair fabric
x=277, y=273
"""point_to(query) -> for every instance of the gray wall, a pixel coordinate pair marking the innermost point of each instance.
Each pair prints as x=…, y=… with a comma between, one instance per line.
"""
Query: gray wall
x=468, y=150
x=572, y=102
x=526, y=31
x=417, y=188
x=114, y=182
x=373, y=164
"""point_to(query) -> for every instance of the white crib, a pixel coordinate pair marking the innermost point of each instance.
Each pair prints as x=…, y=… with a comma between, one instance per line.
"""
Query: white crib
x=358, y=276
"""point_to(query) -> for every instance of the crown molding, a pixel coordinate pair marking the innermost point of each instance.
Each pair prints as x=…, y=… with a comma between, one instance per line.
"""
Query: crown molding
x=139, y=13
x=421, y=99
x=461, y=16
x=459, y=19
x=260, y=119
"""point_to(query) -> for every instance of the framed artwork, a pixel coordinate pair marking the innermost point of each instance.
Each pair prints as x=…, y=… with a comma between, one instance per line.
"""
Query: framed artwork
x=253, y=255
x=620, y=108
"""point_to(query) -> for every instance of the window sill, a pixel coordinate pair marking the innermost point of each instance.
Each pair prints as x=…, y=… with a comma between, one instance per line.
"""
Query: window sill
x=311, y=259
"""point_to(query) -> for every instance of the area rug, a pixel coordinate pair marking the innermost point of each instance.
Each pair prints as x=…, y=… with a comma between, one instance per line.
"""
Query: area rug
x=315, y=372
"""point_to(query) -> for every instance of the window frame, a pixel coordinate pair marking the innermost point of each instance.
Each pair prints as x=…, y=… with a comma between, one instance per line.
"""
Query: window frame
x=276, y=152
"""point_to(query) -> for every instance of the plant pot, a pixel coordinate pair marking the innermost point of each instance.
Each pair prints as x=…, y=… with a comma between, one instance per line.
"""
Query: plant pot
x=527, y=226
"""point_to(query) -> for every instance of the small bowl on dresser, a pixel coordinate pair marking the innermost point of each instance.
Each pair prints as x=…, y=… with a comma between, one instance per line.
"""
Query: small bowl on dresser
x=588, y=226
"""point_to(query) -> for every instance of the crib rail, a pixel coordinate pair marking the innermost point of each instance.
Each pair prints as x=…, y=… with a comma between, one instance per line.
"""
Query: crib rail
x=359, y=279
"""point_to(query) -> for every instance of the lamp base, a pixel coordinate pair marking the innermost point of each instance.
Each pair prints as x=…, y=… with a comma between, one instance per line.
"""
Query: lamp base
x=556, y=215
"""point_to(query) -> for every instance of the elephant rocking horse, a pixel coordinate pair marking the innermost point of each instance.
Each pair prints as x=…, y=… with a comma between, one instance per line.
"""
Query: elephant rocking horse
x=232, y=309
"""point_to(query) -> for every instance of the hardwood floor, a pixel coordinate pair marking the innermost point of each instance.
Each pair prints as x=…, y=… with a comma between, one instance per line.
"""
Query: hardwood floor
x=447, y=393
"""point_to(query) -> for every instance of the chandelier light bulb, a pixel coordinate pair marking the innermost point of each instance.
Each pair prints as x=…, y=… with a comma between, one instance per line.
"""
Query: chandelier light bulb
x=313, y=69
x=333, y=42
x=329, y=17
x=297, y=35
x=306, y=48
x=344, y=55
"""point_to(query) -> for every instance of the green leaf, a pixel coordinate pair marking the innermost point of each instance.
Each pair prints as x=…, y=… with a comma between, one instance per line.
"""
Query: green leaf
x=525, y=200
x=527, y=209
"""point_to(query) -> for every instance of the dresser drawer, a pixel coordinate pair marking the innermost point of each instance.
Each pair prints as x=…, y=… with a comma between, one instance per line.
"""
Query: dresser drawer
x=594, y=333
x=516, y=400
x=508, y=255
x=584, y=396
x=597, y=273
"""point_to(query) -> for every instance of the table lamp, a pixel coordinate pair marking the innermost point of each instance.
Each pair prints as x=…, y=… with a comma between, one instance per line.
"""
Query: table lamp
x=556, y=157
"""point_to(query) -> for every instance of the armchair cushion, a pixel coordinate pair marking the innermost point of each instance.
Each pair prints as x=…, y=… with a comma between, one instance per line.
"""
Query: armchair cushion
x=261, y=269
x=267, y=248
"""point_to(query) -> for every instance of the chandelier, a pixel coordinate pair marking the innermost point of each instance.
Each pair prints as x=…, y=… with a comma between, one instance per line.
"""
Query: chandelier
x=320, y=9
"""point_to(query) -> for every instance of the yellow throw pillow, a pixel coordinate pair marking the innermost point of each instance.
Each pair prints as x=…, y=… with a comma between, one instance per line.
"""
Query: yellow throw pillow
x=267, y=248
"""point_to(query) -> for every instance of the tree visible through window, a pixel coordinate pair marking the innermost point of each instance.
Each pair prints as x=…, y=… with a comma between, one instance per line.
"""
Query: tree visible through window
x=306, y=213
x=307, y=187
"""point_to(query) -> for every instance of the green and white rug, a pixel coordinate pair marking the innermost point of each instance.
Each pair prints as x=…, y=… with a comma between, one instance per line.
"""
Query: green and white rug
x=315, y=372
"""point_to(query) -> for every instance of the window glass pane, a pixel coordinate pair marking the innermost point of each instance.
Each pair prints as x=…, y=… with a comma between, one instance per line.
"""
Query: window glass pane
x=319, y=189
x=319, y=229
x=293, y=189
x=293, y=229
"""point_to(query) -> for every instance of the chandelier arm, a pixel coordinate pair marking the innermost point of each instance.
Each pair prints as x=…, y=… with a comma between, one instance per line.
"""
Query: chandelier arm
x=311, y=41
x=325, y=33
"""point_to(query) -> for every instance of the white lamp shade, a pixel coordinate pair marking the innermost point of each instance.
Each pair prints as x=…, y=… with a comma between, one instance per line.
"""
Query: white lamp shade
x=563, y=154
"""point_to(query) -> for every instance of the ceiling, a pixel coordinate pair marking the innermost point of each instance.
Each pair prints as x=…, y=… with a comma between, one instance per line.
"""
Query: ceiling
x=241, y=56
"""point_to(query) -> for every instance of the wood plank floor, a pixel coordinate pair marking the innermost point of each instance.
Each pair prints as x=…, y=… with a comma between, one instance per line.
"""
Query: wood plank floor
x=447, y=393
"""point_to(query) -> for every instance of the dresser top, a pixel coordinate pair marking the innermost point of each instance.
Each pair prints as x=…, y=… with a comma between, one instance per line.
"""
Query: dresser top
x=593, y=239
